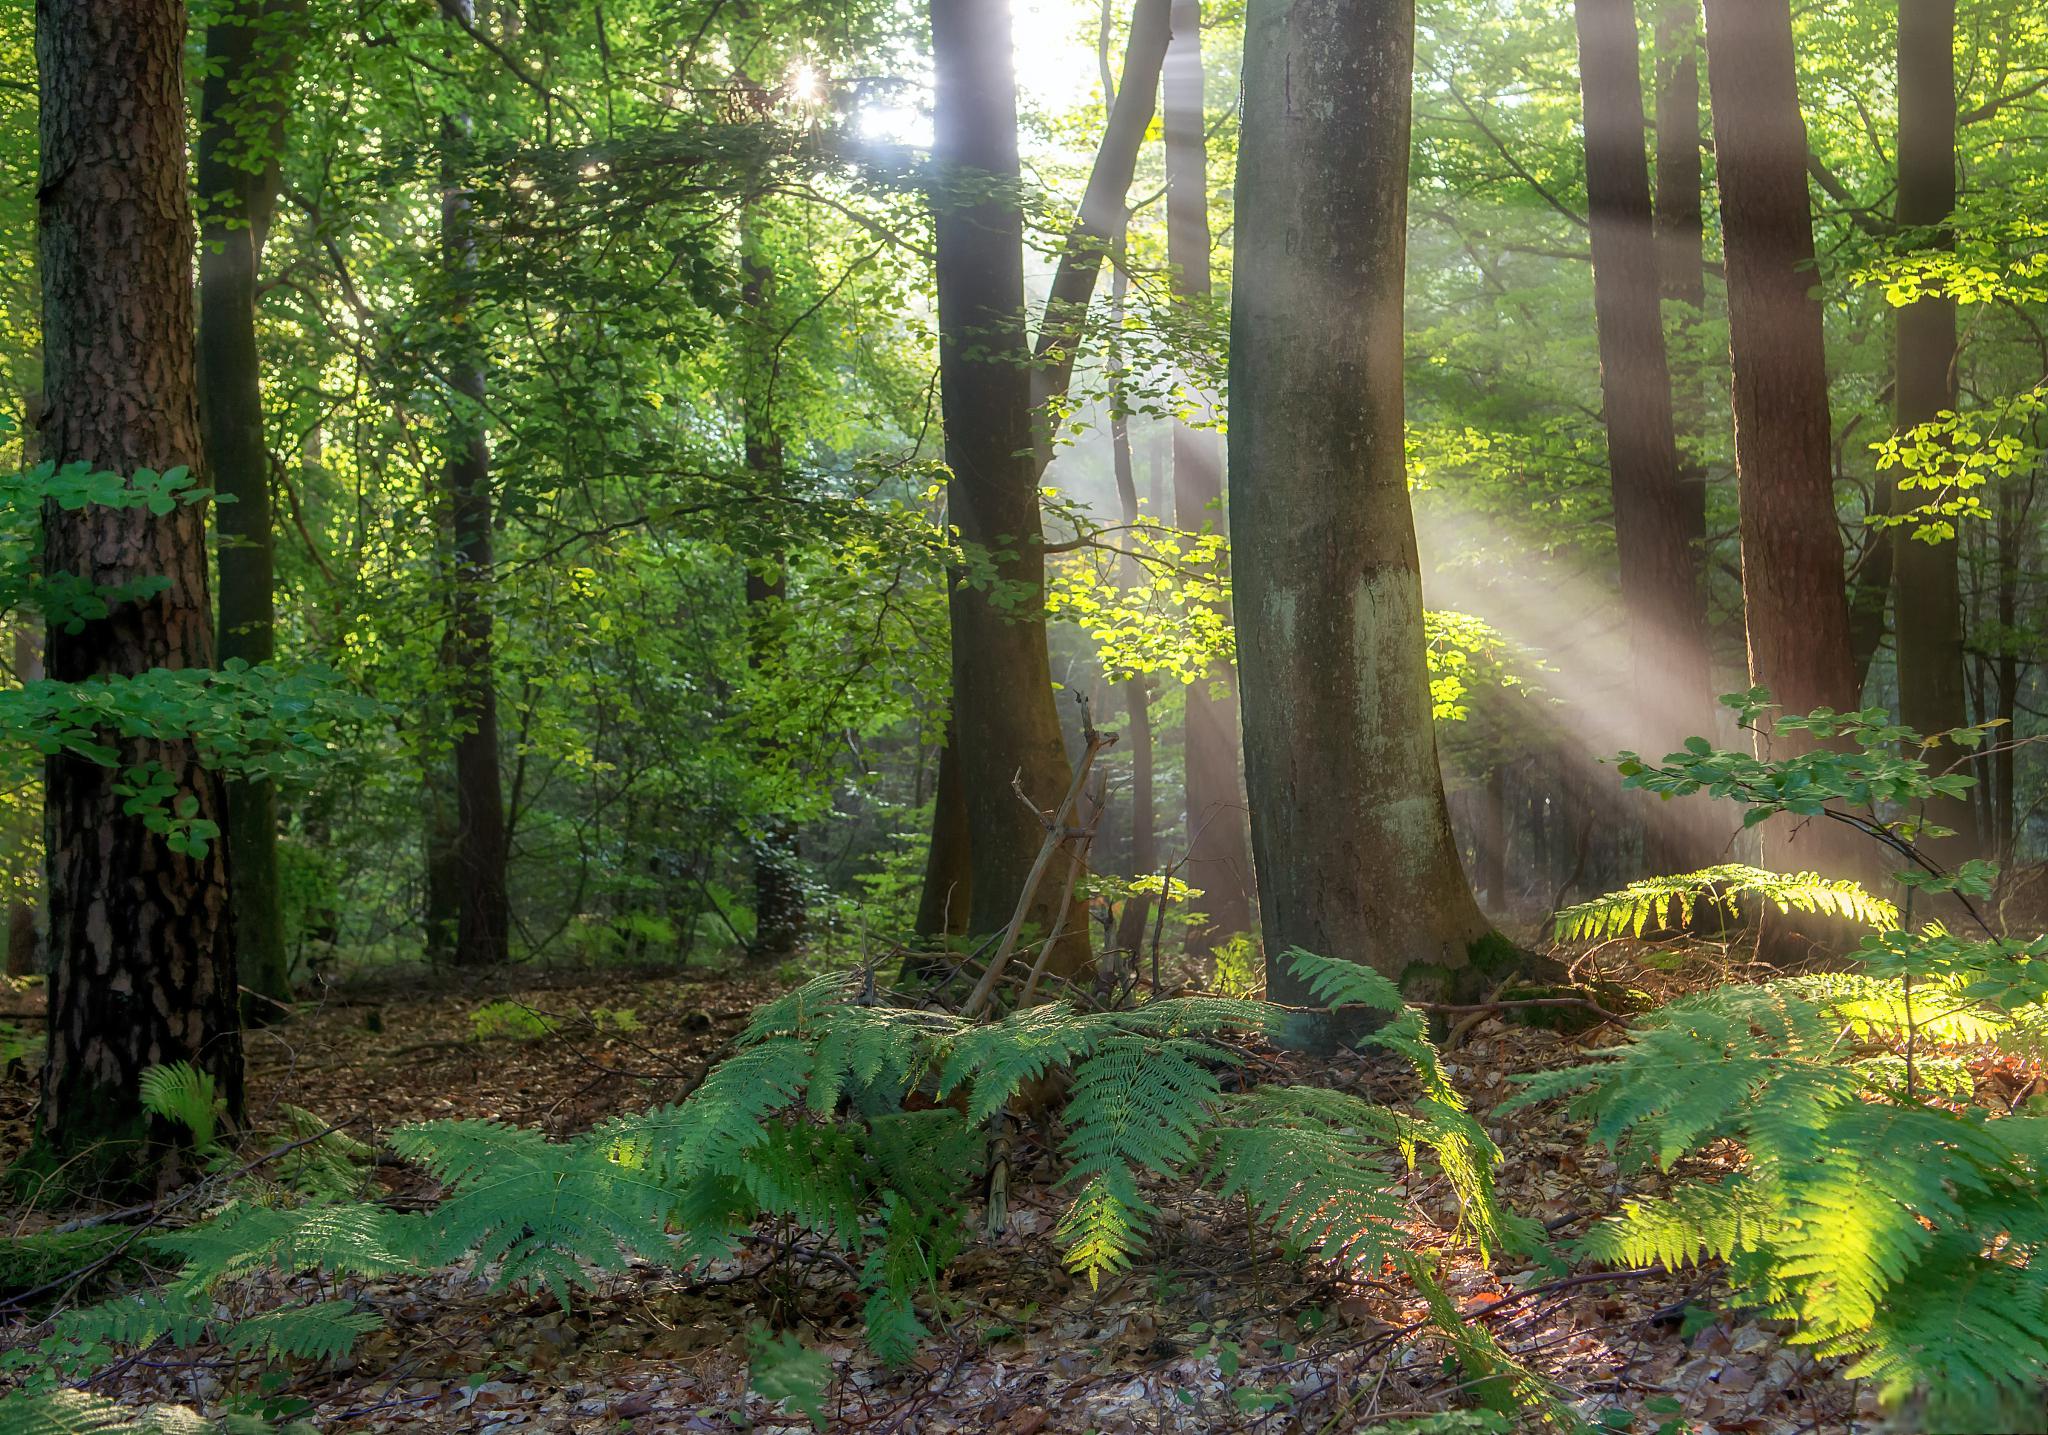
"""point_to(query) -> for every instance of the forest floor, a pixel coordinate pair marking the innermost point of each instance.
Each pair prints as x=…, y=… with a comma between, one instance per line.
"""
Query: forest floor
x=1214, y=1330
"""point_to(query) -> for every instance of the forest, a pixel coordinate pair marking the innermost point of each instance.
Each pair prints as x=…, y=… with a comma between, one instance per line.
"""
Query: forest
x=1024, y=716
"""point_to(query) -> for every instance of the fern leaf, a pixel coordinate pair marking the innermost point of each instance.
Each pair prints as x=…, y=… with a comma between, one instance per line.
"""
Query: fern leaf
x=1335, y=982
x=1105, y=1225
x=325, y=1331
x=78, y=1412
x=1296, y=1157
x=182, y=1093
x=1628, y=912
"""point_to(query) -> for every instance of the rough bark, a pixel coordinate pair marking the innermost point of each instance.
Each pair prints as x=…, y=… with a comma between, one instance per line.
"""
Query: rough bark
x=1657, y=517
x=483, y=916
x=1928, y=614
x=1796, y=614
x=141, y=938
x=1006, y=726
x=248, y=51
x=1350, y=829
x=1219, y=836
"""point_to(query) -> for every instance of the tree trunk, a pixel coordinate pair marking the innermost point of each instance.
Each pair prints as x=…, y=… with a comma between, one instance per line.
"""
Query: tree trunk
x=1005, y=724
x=1219, y=839
x=141, y=938
x=1795, y=610
x=1657, y=518
x=2003, y=834
x=1928, y=615
x=23, y=954
x=947, y=896
x=1101, y=220
x=778, y=881
x=1133, y=922
x=1350, y=829
x=483, y=917
x=248, y=51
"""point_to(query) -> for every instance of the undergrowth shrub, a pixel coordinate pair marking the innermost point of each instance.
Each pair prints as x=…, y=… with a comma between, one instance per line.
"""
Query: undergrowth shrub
x=1898, y=1225
x=864, y=1124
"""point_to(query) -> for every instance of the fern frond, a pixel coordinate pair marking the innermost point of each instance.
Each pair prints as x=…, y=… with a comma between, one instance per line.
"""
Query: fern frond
x=862, y=1047
x=1974, y=1336
x=1294, y=1152
x=325, y=1331
x=1631, y=910
x=182, y=1093
x=1698, y=1222
x=136, y=1320
x=1105, y=1225
x=79, y=1412
x=810, y=1173
x=791, y=1013
x=1001, y=1056
x=1336, y=982
x=362, y=1240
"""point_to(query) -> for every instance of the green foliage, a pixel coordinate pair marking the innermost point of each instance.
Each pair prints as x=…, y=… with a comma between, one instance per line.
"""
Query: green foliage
x=1897, y=1225
x=512, y=1020
x=1662, y=901
x=807, y=1123
x=184, y=1094
x=783, y=1371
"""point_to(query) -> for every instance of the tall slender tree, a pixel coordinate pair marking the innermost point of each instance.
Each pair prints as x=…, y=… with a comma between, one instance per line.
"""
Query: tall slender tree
x=1927, y=617
x=1219, y=838
x=778, y=883
x=141, y=936
x=1349, y=825
x=249, y=53
x=1137, y=691
x=1796, y=611
x=1005, y=724
x=1655, y=517
x=483, y=915
x=949, y=869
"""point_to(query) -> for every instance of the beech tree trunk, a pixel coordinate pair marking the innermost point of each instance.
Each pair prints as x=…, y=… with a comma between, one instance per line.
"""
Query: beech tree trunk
x=1656, y=518
x=1350, y=829
x=1005, y=724
x=483, y=915
x=248, y=51
x=1796, y=613
x=1928, y=613
x=141, y=938
x=1219, y=837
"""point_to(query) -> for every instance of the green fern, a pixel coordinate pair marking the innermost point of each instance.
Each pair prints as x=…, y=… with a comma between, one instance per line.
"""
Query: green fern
x=1858, y=1195
x=783, y=1371
x=324, y=1331
x=78, y=1412
x=541, y=1213
x=806, y=1123
x=183, y=1094
x=1294, y=1154
x=1654, y=901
